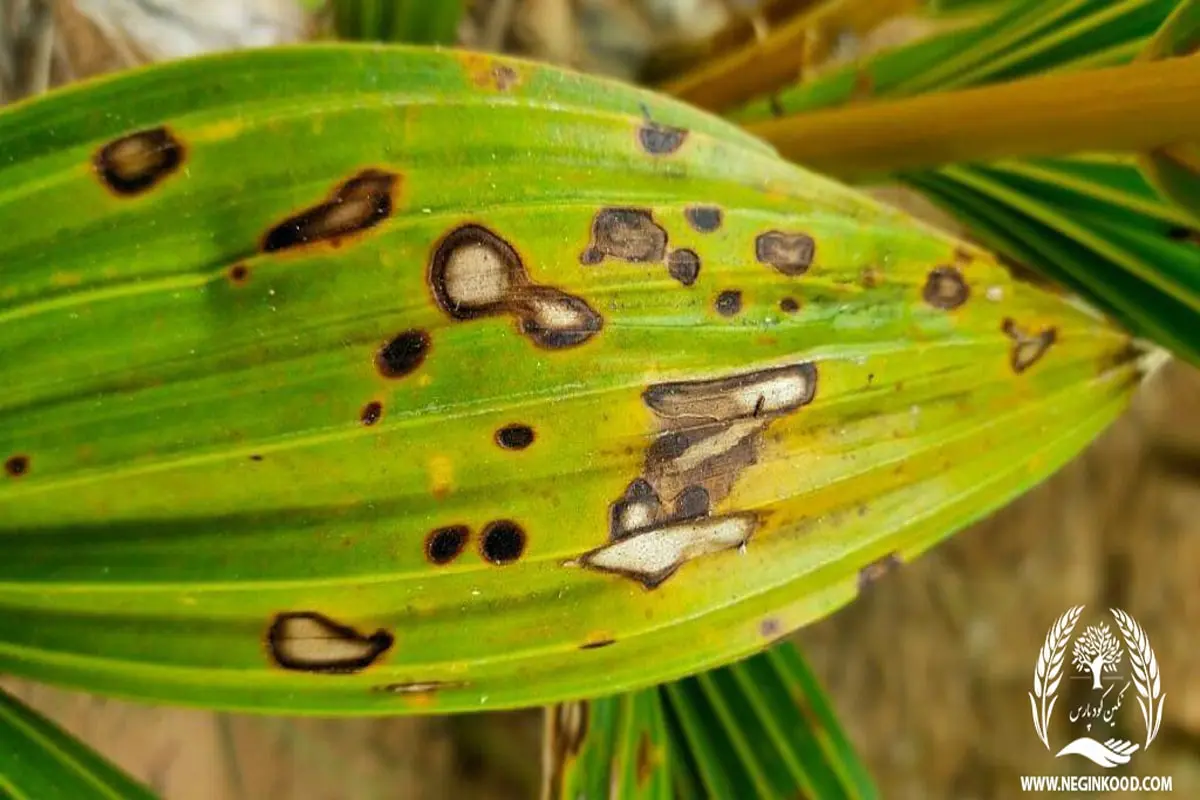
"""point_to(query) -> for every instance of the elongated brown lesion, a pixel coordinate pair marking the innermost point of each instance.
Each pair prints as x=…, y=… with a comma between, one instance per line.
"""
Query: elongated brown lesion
x=137, y=162
x=358, y=204
x=474, y=273
x=1027, y=348
x=709, y=433
x=566, y=730
x=307, y=641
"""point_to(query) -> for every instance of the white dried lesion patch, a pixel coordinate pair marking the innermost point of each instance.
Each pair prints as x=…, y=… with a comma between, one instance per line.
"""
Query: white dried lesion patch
x=476, y=277
x=709, y=433
x=754, y=395
x=310, y=642
x=474, y=273
x=655, y=554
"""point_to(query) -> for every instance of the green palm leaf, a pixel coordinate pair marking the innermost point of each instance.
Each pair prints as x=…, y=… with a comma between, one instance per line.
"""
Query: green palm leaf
x=40, y=761
x=761, y=727
x=1093, y=222
x=387, y=380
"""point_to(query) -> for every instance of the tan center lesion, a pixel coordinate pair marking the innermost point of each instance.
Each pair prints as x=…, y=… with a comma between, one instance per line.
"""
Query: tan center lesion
x=311, y=642
x=710, y=431
x=474, y=273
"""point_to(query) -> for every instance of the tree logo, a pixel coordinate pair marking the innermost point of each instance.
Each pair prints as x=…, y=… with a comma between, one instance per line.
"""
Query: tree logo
x=1098, y=687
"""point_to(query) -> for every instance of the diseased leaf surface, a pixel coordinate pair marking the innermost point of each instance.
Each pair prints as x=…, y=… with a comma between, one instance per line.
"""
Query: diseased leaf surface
x=372, y=380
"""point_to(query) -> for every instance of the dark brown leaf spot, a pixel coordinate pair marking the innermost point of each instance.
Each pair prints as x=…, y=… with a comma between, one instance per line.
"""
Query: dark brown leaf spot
x=310, y=642
x=256, y=457
x=660, y=140
x=877, y=569
x=628, y=234
x=788, y=305
x=871, y=277
x=790, y=253
x=1027, y=349
x=238, y=273
x=729, y=302
x=667, y=447
x=515, y=437
x=597, y=644
x=692, y=502
x=503, y=542
x=704, y=219
x=684, y=266
x=371, y=413
x=443, y=545
x=360, y=203
x=16, y=466
x=134, y=163
x=945, y=288
x=402, y=355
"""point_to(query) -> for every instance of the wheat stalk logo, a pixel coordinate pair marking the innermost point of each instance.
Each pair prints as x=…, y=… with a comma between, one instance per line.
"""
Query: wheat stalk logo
x=1048, y=672
x=1145, y=672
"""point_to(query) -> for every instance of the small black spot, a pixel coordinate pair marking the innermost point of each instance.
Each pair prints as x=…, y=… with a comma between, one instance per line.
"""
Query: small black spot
x=1182, y=234
x=596, y=645
x=776, y=106
x=403, y=354
x=443, y=545
x=238, y=273
x=684, y=266
x=788, y=305
x=134, y=163
x=945, y=288
x=770, y=628
x=691, y=503
x=705, y=219
x=16, y=466
x=503, y=542
x=790, y=253
x=660, y=140
x=729, y=302
x=360, y=203
x=256, y=457
x=515, y=437
x=371, y=412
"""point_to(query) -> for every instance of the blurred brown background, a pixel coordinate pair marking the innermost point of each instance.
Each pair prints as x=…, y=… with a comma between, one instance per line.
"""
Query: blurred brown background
x=930, y=670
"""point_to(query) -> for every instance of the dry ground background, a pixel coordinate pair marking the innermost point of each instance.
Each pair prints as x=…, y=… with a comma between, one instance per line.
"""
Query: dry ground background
x=929, y=670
